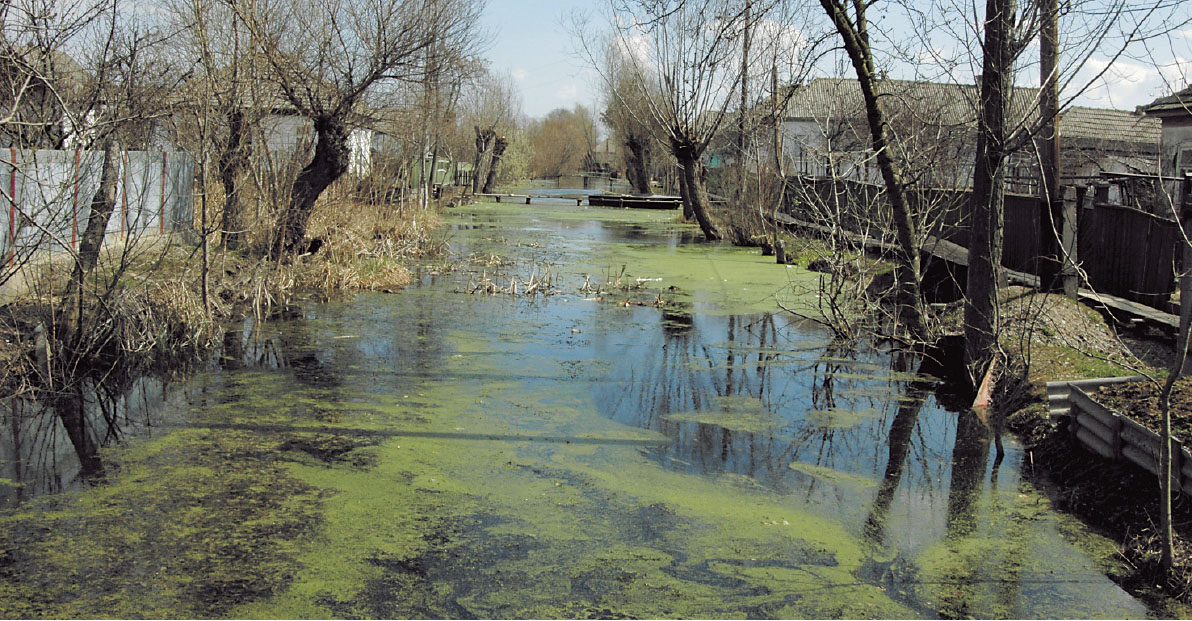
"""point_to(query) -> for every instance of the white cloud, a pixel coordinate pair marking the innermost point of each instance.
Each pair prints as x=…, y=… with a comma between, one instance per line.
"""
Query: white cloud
x=519, y=74
x=1126, y=84
x=633, y=48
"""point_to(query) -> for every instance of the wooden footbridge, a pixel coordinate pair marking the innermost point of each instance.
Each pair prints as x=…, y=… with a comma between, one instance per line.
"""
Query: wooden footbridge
x=636, y=201
x=578, y=198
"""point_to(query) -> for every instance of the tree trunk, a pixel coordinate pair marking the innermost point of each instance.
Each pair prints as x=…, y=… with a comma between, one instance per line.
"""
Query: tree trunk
x=1047, y=143
x=231, y=162
x=695, y=197
x=103, y=203
x=494, y=166
x=739, y=190
x=685, y=194
x=988, y=198
x=637, y=154
x=484, y=138
x=329, y=163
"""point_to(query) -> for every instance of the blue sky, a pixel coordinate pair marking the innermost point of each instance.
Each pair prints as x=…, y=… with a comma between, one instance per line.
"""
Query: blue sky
x=532, y=42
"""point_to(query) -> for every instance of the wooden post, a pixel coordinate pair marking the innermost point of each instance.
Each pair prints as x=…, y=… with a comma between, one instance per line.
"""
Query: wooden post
x=1073, y=196
x=1100, y=193
x=74, y=205
x=1185, y=199
x=124, y=198
x=1177, y=463
x=12, y=208
x=162, y=211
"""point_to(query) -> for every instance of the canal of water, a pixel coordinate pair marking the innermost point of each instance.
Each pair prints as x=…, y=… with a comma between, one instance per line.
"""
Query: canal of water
x=656, y=438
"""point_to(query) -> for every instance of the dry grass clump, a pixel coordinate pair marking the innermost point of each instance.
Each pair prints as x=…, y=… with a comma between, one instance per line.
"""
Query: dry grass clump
x=365, y=246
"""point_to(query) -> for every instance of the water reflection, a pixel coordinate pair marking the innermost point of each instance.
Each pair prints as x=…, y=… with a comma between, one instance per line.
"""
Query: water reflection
x=855, y=432
x=856, y=435
x=898, y=442
x=55, y=446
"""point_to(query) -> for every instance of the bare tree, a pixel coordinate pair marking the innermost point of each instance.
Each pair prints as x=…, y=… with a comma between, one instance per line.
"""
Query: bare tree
x=854, y=32
x=224, y=95
x=561, y=141
x=987, y=201
x=627, y=114
x=327, y=57
x=489, y=107
x=687, y=49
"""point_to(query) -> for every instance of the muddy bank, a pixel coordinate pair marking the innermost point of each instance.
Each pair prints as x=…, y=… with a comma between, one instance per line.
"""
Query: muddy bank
x=1068, y=341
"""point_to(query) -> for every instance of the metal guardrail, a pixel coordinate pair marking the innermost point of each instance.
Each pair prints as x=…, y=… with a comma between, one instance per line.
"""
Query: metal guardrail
x=1112, y=435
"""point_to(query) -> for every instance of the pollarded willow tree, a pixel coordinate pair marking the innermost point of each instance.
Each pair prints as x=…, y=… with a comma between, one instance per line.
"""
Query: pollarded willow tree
x=328, y=58
x=626, y=114
x=687, y=50
x=489, y=108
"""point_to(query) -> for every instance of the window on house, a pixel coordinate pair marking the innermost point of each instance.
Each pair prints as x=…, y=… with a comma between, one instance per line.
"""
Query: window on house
x=1184, y=164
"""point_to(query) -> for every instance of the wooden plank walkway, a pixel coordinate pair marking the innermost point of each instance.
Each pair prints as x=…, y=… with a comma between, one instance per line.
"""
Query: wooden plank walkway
x=578, y=198
x=958, y=255
x=498, y=197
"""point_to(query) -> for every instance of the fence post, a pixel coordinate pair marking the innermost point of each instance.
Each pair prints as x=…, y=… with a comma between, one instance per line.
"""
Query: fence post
x=1177, y=463
x=1185, y=278
x=124, y=197
x=161, y=216
x=1073, y=196
x=74, y=204
x=12, y=208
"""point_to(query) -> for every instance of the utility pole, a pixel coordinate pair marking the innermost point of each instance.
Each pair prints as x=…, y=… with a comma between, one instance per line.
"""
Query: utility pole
x=1051, y=202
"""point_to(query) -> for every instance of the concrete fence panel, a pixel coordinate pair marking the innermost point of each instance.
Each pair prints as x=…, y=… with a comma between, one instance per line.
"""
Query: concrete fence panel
x=46, y=196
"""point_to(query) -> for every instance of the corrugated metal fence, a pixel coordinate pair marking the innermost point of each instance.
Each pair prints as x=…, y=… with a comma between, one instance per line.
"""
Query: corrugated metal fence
x=45, y=196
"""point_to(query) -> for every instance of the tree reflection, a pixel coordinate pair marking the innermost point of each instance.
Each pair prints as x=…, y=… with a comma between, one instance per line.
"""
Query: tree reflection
x=52, y=446
x=72, y=412
x=970, y=458
x=899, y=442
x=752, y=396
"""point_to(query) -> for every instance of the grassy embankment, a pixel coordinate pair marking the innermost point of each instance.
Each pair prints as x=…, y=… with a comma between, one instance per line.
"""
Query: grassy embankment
x=144, y=305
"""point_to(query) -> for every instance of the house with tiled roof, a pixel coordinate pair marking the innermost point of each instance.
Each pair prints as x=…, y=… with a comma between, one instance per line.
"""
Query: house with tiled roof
x=826, y=133
x=1175, y=113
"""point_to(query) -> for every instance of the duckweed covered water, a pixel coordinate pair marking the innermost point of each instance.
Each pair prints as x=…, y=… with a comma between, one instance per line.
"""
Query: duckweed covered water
x=436, y=454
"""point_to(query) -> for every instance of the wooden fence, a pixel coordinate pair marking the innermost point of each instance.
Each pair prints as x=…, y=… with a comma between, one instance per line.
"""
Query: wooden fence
x=1123, y=251
x=1117, y=437
x=1128, y=253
